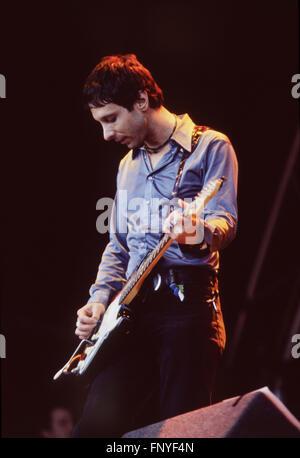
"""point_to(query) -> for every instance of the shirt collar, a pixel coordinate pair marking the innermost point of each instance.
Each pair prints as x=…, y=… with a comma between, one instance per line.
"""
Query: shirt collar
x=182, y=134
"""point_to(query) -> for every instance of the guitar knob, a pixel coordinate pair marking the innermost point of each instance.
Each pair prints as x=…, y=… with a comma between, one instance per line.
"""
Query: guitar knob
x=125, y=312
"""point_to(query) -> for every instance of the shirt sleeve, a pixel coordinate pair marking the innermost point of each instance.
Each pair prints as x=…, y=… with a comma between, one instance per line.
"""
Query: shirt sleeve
x=111, y=276
x=220, y=214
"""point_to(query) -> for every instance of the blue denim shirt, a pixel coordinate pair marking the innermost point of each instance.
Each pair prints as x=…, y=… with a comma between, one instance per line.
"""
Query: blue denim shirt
x=136, y=222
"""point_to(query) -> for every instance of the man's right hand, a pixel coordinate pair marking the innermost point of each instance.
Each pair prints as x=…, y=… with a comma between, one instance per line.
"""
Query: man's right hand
x=87, y=317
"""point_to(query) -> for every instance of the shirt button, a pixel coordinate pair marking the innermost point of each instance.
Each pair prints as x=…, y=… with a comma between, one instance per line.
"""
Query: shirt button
x=142, y=244
x=150, y=178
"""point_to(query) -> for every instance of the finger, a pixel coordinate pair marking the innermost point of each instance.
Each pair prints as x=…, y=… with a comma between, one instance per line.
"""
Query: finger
x=171, y=221
x=82, y=335
x=183, y=204
x=87, y=309
x=84, y=327
x=84, y=330
x=166, y=227
x=86, y=319
x=86, y=312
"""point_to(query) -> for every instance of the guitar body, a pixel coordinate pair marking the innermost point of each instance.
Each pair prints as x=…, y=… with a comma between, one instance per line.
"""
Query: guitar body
x=112, y=322
x=115, y=318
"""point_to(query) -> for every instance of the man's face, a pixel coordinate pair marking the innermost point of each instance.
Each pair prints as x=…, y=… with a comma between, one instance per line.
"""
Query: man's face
x=123, y=126
x=61, y=424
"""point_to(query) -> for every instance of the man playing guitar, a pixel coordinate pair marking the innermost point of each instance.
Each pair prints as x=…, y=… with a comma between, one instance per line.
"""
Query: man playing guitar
x=167, y=364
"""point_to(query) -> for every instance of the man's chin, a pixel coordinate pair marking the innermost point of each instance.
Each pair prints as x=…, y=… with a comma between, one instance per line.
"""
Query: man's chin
x=132, y=144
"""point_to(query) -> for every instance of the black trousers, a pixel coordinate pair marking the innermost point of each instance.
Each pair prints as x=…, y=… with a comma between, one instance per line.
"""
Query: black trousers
x=166, y=366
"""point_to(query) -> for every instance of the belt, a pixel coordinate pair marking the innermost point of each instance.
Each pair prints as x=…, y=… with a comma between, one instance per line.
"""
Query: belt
x=189, y=274
x=177, y=277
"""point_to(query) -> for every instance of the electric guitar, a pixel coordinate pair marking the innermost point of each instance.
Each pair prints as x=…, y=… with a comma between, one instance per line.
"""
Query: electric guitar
x=118, y=314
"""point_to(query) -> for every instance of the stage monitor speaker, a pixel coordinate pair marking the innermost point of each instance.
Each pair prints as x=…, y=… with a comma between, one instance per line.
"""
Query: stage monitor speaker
x=258, y=414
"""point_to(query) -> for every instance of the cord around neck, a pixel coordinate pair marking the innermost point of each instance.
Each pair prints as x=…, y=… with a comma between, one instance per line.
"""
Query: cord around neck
x=158, y=148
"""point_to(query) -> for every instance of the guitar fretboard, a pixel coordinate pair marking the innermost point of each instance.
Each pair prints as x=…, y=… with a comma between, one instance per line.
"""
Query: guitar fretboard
x=144, y=266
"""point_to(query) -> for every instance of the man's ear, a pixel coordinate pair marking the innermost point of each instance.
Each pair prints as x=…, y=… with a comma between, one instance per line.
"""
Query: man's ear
x=142, y=103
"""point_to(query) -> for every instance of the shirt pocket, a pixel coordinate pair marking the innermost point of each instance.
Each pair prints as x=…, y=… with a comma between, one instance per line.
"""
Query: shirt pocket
x=191, y=183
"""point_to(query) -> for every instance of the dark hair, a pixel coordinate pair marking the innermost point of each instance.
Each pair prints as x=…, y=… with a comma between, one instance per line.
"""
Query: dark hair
x=118, y=79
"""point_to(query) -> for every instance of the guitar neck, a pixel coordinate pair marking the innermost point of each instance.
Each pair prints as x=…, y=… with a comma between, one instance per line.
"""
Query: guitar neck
x=134, y=283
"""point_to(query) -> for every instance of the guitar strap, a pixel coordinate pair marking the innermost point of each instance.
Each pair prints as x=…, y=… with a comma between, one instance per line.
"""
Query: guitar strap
x=198, y=131
x=196, y=135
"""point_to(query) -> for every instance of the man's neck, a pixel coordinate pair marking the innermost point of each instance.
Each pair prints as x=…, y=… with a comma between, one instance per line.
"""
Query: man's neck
x=161, y=124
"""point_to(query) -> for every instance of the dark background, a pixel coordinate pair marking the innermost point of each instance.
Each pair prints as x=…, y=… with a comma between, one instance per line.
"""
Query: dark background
x=229, y=65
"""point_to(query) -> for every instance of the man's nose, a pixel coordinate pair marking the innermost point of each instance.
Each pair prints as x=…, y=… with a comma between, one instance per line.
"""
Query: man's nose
x=108, y=134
